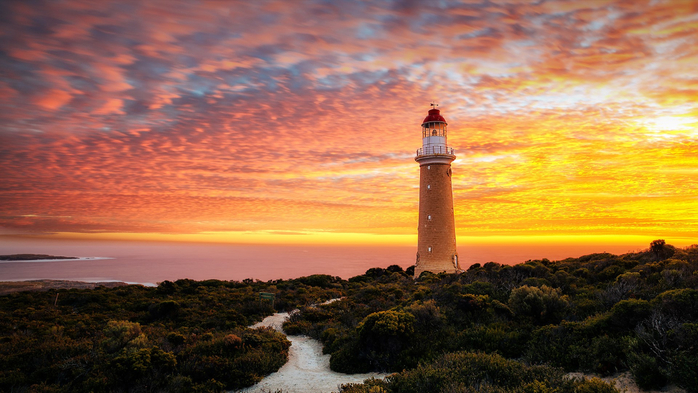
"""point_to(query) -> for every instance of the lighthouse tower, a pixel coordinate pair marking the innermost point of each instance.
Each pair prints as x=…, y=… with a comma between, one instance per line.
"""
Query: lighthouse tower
x=436, y=246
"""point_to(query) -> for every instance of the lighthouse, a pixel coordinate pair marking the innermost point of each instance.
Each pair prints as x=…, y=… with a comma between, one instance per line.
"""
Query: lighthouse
x=436, y=244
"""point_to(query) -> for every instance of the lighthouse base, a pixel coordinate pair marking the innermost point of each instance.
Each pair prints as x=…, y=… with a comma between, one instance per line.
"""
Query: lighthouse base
x=449, y=265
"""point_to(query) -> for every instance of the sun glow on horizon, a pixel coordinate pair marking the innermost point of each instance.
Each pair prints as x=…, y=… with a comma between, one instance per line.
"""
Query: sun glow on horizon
x=634, y=242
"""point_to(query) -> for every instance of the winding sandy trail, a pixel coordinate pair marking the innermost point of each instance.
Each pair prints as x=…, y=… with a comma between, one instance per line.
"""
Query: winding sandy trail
x=307, y=369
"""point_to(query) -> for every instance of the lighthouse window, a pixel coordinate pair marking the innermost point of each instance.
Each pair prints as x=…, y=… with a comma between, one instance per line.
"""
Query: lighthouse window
x=428, y=186
x=429, y=248
x=429, y=217
x=428, y=166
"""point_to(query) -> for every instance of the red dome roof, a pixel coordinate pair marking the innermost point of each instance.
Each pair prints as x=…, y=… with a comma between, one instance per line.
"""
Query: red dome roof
x=434, y=115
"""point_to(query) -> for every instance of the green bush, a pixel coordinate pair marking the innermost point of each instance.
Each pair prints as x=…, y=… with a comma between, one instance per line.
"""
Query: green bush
x=466, y=372
x=684, y=371
x=494, y=338
x=383, y=336
x=386, y=325
x=646, y=371
x=627, y=314
x=175, y=338
x=595, y=385
x=346, y=359
x=542, y=304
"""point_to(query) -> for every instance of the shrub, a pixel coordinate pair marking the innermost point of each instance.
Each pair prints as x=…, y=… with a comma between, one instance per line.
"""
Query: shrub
x=427, y=316
x=626, y=314
x=498, y=338
x=610, y=273
x=166, y=309
x=684, y=371
x=377, y=343
x=383, y=335
x=478, y=372
x=410, y=271
x=319, y=280
x=595, y=385
x=346, y=360
x=680, y=303
x=646, y=371
x=175, y=338
x=386, y=324
x=542, y=304
x=232, y=341
x=120, y=333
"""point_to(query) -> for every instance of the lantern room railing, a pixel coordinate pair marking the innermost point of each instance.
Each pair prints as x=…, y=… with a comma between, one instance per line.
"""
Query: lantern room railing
x=436, y=151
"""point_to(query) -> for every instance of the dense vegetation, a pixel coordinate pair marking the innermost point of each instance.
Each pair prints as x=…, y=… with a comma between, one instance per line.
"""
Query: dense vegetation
x=482, y=373
x=494, y=328
x=182, y=336
x=599, y=313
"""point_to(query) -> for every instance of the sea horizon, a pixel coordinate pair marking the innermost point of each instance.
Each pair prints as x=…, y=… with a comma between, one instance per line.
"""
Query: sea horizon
x=151, y=262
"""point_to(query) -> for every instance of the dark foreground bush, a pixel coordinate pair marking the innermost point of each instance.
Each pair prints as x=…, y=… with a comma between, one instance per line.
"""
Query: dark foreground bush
x=599, y=313
x=183, y=336
x=479, y=372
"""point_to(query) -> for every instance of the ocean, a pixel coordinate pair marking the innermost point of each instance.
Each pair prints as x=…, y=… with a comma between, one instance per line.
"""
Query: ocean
x=152, y=262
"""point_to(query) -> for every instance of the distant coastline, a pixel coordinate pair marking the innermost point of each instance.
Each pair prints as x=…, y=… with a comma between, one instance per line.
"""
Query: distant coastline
x=31, y=257
x=153, y=262
x=14, y=258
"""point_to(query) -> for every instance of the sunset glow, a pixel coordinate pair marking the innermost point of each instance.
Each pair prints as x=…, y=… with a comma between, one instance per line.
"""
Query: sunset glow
x=297, y=121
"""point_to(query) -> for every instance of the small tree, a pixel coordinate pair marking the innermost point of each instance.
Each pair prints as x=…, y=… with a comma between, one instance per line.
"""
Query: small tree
x=657, y=247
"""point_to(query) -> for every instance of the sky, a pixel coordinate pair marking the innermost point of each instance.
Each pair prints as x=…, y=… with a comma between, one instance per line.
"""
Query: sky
x=298, y=121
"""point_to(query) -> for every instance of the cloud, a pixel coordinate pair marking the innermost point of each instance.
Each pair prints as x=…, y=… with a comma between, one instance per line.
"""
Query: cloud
x=278, y=116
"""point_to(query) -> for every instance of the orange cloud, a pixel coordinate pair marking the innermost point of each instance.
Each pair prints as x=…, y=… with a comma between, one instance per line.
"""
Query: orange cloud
x=53, y=99
x=568, y=118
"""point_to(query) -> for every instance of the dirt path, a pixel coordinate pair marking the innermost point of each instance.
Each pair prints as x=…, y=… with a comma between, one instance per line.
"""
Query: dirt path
x=307, y=369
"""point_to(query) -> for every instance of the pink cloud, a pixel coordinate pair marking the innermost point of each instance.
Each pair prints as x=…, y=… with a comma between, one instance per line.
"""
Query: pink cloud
x=274, y=116
x=53, y=99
